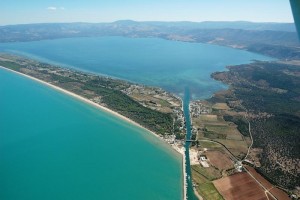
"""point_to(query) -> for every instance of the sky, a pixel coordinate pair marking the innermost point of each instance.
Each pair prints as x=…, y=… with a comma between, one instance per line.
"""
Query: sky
x=45, y=11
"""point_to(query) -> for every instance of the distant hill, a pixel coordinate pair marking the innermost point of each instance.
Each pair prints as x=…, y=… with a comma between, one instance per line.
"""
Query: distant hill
x=289, y=27
x=273, y=39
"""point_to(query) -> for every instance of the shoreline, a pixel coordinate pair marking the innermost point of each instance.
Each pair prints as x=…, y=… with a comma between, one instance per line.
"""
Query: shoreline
x=109, y=111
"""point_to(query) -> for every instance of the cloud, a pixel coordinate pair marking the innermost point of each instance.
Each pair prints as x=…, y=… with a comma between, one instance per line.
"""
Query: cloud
x=53, y=8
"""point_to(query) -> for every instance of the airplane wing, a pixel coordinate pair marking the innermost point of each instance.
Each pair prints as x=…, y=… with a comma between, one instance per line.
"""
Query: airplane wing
x=295, y=5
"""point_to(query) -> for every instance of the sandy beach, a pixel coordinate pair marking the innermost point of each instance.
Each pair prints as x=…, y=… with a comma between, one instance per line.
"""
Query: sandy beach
x=84, y=100
x=194, y=157
x=111, y=112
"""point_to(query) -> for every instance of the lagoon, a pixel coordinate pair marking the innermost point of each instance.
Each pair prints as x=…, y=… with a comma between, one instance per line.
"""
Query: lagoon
x=172, y=65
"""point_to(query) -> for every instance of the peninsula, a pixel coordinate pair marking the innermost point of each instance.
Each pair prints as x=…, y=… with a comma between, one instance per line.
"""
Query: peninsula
x=152, y=108
x=249, y=134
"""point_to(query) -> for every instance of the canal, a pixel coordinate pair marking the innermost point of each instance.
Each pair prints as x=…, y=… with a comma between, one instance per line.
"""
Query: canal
x=186, y=111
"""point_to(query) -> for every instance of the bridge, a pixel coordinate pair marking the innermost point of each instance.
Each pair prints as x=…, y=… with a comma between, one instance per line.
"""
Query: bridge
x=190, y=140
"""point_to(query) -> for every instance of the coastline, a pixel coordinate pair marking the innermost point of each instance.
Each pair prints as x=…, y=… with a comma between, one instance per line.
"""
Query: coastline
x=84, y=100
x=107, y=110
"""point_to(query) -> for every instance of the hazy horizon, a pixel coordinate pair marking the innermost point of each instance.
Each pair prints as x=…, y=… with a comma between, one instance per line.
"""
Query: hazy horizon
x=266, y=22
x=98, y=11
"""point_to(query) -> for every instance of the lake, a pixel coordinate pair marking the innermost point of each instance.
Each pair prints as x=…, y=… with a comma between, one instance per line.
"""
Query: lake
x=172, y=65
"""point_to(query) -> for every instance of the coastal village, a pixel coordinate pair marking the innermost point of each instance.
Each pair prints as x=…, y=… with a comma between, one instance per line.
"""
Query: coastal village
x=162, y=101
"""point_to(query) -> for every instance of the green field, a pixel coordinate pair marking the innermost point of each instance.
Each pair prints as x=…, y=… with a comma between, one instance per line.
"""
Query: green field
x=205, y=187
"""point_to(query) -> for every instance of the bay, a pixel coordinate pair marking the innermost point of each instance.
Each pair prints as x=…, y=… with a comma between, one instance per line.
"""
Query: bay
x=172, y=65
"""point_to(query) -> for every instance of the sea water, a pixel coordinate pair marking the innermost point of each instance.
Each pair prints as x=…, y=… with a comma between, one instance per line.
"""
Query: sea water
x=53, y=146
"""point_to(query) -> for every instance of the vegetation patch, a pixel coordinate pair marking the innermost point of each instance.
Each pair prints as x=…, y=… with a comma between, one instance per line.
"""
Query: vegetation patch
x=105, y=91
x=204, y=186
x=268, y=93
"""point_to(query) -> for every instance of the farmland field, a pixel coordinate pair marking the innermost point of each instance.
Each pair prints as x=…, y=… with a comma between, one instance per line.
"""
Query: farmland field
x=240, y=186
x=219, y=160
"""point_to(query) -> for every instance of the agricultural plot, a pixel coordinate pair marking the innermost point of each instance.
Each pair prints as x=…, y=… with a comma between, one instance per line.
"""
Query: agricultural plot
x=213, y=127
x=204, y=186
x=230, y=132
x=209, y=118
x=240, y=186
x=219, y=160
x=279, y=194
x=220, y=106
x=237, y=148
x=210, y=145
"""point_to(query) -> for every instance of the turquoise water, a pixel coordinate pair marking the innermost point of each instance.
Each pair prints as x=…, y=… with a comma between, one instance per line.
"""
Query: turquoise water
x=53, y=146
x=172, y=65
x=186, y=112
